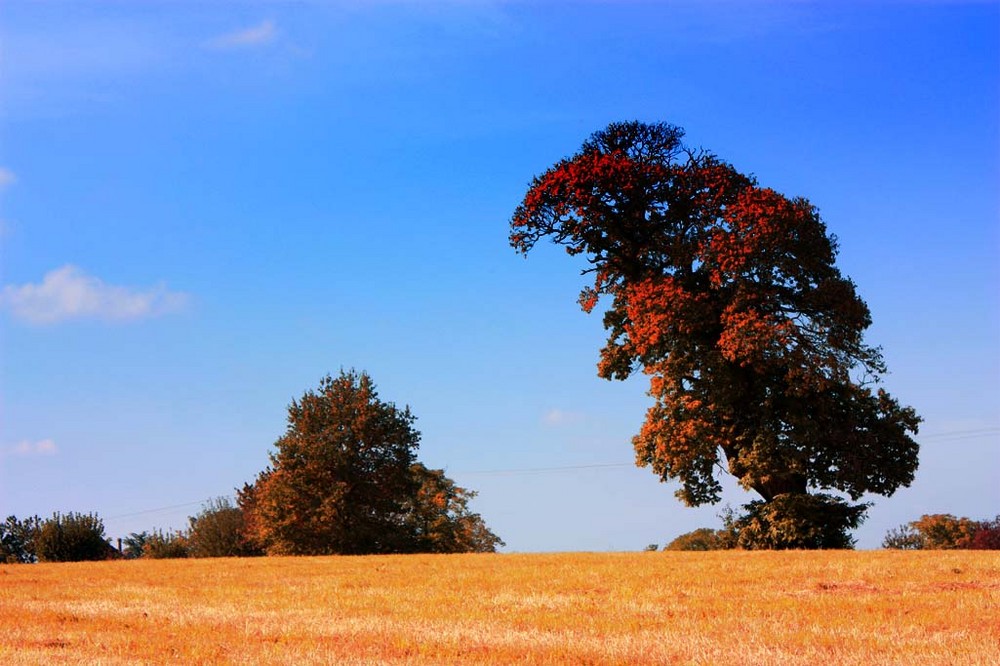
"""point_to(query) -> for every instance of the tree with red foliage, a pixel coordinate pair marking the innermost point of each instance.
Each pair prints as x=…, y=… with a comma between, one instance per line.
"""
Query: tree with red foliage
x=726, y=294
x=987, y=535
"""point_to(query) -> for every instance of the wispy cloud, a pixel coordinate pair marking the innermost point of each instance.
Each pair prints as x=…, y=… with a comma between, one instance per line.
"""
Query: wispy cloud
x=7, y=178
x=26, y=448
x=558, y=417
x=258, y=35
x=68, y=293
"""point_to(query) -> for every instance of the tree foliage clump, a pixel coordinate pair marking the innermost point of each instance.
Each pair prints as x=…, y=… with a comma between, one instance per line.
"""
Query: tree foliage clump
x=727, y=296
x=987, y=536
x=344, y=480
x=943, y=531
x=72, y=537
x=797, y=521
x=134, y=544
x=18, y=540
x=219, y=530
x=703, y=538
x=438, y=518
x=165, y=545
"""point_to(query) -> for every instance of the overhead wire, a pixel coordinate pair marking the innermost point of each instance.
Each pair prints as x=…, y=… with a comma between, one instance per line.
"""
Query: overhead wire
x=941, y=436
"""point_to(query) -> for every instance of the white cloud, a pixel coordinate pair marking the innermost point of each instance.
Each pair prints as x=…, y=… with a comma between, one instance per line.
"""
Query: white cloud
x=44, y=447
x=558, y=417
x=69, y=293
x=257, y=35
x=7, y=178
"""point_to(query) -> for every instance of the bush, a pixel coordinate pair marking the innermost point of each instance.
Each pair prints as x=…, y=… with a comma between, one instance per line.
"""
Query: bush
x=940, y=531
x=72, y=537
x=219, y=531
x=161, y=545
x=943, y=531
x=704, y=538
x=18, y=540
x=903, y=537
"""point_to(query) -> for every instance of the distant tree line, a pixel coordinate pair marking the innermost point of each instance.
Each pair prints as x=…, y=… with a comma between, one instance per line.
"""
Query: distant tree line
x=344, y=479
x=943, y=531
x=939, y=531
x=65, y=537
x=79, y=537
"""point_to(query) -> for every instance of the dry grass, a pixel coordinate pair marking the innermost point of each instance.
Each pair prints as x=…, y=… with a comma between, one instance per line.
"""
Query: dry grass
x=630, y=608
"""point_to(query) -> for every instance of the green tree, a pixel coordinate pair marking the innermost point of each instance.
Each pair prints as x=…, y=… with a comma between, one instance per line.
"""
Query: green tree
x=18, y=539
x=219, y=530
x=134, y=544
x=340, y=476
x=439, y=520
x=72, y=537
x=727, y=295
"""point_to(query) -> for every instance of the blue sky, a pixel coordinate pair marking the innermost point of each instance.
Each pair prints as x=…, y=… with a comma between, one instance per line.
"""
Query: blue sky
x=206, y=207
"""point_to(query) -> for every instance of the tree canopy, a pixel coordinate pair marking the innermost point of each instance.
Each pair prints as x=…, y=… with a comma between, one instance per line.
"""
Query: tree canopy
x=439, y=519
x=18, y=539
x=344, y=479
x=219, y=530
x=72, y=537
x=727, y=296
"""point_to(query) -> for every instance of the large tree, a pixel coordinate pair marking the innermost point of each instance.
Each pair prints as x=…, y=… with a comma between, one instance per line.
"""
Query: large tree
x=344, y=480
x=727, y=295
x=340, y=475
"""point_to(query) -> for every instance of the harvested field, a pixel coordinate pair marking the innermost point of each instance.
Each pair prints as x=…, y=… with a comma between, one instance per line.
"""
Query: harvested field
x=579, y=608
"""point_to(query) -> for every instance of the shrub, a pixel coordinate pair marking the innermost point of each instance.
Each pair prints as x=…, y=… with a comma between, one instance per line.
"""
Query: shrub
x=904, y=537
x=704, y=538
x=161, y=545
x=938, y=531
x=72, y=537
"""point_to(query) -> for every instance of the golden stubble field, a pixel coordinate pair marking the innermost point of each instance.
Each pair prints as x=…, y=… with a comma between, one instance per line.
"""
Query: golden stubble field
x=582, y=608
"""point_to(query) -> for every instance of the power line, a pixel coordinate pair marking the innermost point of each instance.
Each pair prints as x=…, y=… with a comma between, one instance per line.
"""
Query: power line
x=530, y=470
x=962, y=434
x=157, y=510
x=941, y=436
